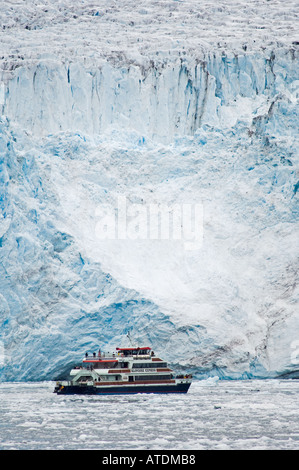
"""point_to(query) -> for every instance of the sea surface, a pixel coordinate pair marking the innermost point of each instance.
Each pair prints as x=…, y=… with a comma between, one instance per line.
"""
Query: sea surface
x=257, y=414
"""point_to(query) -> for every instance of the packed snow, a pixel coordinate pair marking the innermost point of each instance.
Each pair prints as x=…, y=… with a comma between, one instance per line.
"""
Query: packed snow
x=164, y=104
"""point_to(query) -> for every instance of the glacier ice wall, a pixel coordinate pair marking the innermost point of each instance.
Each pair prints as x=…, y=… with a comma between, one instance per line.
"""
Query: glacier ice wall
x=161, y=101
x=218, y=127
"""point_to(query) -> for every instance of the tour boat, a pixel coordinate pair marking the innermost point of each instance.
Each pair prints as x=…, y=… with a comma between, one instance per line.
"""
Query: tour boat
x=128, y=370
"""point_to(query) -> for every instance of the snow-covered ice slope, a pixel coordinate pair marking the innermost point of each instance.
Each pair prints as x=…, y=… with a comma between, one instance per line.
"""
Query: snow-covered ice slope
x=166, y=102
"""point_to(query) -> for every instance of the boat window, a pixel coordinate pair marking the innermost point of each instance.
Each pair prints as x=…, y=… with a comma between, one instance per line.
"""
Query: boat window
x=149, y=365
x=83, y=378
x=105, y=365
x=152, y=377
x=110, y=378
x=133, y=352
x=124, y=365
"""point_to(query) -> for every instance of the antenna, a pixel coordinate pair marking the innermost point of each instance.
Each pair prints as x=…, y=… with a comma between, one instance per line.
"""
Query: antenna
x=130, y=339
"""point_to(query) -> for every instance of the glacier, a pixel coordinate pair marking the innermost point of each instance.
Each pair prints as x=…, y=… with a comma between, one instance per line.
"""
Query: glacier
x=175, y=102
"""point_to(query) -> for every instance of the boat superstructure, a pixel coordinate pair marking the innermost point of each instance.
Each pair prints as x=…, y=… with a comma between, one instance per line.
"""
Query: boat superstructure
x=128, y=370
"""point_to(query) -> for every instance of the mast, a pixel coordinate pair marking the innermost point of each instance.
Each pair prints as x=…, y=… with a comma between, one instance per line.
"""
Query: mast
x=131, y=340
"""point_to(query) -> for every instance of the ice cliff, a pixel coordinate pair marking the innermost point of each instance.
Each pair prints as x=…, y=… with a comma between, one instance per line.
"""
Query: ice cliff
x=172, y=103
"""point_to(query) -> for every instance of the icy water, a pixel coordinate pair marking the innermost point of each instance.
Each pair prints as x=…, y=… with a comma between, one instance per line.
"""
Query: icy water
x=213, y=415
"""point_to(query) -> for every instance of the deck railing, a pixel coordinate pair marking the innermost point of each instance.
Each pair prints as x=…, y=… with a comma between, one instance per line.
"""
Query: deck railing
x=108, y=355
